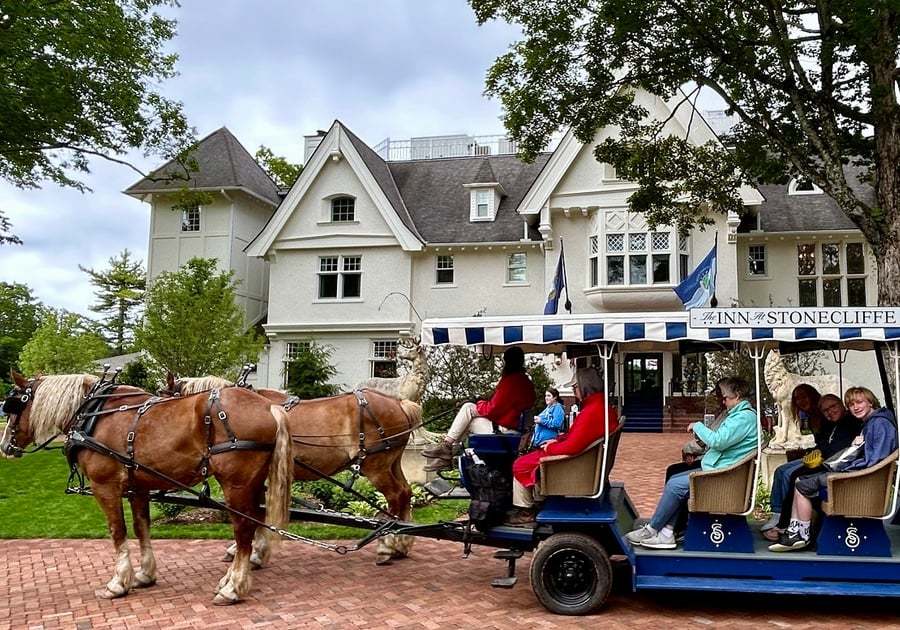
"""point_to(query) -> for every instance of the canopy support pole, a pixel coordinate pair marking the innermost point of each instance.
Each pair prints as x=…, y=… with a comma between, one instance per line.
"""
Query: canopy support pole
x=840, y=357
x=894, y=352
x=606, y=352
x=756, y=352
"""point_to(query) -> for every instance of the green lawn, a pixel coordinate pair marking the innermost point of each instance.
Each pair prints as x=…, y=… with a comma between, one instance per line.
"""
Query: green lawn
x=33, y=505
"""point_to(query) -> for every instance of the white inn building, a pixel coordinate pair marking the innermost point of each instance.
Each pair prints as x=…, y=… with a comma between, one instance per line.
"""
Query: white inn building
x=460, y=226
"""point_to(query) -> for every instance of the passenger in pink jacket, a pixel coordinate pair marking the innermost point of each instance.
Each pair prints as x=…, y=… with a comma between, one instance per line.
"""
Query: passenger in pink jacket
x=514, y=394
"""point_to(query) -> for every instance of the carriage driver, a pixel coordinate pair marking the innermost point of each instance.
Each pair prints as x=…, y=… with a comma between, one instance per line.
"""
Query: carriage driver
x=514, y=394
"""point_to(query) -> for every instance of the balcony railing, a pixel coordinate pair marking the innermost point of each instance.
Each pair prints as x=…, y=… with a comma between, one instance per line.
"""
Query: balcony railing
x=433, y=147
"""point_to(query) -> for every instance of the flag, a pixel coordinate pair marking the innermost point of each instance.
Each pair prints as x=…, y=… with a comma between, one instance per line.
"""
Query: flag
x=700, y=285
x=559, y=283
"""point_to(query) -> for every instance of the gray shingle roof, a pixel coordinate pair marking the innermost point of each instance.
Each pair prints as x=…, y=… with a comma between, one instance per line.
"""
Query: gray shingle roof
x=222, y=162
x=439, y=204
x=781, y=212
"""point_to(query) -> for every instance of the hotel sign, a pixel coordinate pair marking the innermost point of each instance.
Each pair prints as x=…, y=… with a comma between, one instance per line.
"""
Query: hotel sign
x=864, y=317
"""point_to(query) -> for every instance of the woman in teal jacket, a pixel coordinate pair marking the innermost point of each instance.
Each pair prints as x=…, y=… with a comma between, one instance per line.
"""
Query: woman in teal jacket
x=732, y=441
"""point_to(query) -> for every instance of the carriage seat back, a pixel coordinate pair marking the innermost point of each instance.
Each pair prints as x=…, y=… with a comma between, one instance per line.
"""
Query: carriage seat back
x=866, y=493
x=579, y=475
x=725, y=490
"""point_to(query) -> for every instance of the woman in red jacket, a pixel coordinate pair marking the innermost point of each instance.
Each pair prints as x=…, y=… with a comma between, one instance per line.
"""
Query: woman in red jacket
x=514, y=394
x=588, y=427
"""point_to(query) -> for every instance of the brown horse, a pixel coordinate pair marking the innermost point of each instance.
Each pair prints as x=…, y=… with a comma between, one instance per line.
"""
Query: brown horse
x=171, y=437
x=325, y=433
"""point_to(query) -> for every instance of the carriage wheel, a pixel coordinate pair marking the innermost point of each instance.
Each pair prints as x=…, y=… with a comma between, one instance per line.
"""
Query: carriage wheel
x=571, y=574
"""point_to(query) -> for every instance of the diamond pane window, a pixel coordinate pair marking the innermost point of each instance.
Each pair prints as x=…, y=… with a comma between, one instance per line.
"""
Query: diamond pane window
x=831, y=260
x=660, y=241
x=592, y=245
x=615, y=242
x=637, y=242
x=682, y=242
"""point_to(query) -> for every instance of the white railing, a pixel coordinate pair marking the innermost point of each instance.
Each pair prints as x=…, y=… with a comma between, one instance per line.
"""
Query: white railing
x=433, y=147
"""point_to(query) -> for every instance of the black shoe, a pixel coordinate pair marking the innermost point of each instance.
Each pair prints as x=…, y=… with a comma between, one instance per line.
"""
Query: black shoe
x=790, y=541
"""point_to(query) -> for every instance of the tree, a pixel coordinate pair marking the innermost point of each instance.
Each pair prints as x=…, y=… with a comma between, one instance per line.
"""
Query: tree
x=141, y=373
x=282, y=172
x=20, y=315
x=309, y=371
x=813, y=84
x=120, y=292
x=62, y=344
x=192, y=325
x=79, y=81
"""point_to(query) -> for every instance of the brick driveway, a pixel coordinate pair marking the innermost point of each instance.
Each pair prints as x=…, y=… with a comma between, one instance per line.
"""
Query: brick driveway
x=50, y=583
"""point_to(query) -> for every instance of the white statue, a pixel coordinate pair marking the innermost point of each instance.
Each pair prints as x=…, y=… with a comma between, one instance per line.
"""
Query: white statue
x=409, y=386
x=781, y=384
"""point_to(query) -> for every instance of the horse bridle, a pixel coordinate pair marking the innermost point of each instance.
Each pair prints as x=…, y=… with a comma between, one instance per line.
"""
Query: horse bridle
x=14, y=406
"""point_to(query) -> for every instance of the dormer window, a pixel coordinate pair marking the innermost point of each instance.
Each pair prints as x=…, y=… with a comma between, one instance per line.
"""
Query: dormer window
x=483, y=200
x=803, y=186
x=343, y=210
x=482, y=204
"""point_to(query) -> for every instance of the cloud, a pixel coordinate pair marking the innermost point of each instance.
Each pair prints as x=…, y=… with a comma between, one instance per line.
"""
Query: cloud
x=271, y=72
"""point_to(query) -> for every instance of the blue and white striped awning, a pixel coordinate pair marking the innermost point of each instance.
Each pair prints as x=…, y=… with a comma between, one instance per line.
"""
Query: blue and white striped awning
x=663, y=329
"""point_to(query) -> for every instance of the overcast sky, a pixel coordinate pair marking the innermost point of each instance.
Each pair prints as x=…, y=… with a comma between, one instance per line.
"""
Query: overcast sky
x=271, y=72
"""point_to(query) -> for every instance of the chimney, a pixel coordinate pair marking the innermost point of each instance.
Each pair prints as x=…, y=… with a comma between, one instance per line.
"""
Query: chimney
x=310, y=143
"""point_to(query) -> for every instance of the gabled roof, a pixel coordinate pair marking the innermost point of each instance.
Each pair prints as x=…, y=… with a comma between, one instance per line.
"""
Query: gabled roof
x=781, y=212
x=222, y=162
x=485, y=173
x=435, y=194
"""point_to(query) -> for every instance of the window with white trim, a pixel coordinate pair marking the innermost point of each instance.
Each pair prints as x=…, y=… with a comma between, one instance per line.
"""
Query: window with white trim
x=684, y=268
x=836, y=270
x=340, y=277
x=803, y=186
x=517, y=268
x=384, y=358
x=756, y=260
x=292, y=350
x=593, y=261
x=343, y=210
x=482, y=204
x=190, y=219
x=638, y=258
x=443, y=270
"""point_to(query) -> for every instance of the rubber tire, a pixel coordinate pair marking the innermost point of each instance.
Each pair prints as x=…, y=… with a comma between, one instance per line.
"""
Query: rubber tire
x=578, y=551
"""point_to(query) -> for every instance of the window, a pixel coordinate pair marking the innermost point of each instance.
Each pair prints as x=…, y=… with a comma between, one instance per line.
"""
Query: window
x=639, y=258
x=683, y=257
x=609, y=172
x=292, y=350
x=756, y=260
x=803, y=186
x=340, y=277
x=384, y=358
x=516, y=268
x=190, y=219
x=443, y=267
x=841, y=276
x=343, y=209
x=593, y=261
x=482, y=204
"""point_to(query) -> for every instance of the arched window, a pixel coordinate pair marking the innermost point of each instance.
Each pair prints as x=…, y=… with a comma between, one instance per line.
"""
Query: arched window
x=343, y=209
x=803, y=186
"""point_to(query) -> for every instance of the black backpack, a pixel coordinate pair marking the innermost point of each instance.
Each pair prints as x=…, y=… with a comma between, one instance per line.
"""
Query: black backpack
x=490, y=491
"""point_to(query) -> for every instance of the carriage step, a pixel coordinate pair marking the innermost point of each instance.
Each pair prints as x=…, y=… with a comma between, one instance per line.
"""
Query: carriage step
x=443, y=489
x=510, y=579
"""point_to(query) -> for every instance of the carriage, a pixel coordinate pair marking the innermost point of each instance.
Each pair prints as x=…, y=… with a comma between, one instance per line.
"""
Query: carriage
x=581, y=525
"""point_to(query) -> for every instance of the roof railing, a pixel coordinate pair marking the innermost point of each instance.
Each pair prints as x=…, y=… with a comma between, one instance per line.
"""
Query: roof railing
x=435, y=147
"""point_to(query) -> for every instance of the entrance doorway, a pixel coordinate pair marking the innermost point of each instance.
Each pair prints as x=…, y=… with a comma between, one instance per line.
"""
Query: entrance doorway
x=643, y=388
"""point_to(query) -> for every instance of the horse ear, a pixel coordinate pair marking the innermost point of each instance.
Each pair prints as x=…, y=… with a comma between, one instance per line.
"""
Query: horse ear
x=170, y=381
x=18, y=379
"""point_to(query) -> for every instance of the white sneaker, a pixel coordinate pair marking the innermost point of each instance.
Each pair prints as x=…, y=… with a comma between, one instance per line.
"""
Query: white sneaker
x=661, y=540
x=639, y=535
x=771, y=523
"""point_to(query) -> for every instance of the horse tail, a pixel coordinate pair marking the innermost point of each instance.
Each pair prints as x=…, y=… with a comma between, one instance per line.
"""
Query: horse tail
x=281, y=473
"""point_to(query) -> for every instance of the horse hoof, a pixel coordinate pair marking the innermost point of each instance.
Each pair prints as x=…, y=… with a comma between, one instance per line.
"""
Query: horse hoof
x=105, y=593
x=383, y=560
x=142, y=581
x=221, y=600
x=255, y=566
x=398, y=555
x=228, y=557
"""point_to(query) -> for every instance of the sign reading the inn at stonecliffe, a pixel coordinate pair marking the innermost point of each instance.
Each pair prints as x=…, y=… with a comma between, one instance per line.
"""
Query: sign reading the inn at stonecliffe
x=863, y=317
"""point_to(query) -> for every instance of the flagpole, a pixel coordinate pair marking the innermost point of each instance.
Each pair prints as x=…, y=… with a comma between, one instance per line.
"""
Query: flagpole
x=562, y=257
x=713, y=302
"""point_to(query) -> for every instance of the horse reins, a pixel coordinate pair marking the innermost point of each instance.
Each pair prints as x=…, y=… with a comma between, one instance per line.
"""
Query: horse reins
x=14, y=407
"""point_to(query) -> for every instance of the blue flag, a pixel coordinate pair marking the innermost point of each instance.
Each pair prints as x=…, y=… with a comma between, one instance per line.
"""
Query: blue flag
x=559, y=283
x=700, y=286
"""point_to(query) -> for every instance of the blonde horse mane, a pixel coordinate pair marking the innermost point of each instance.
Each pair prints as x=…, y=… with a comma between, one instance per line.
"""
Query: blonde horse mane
x=196, y=384
x=55, y=401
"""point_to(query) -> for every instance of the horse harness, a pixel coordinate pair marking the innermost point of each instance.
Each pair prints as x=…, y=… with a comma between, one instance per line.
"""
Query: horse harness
x=81, y=429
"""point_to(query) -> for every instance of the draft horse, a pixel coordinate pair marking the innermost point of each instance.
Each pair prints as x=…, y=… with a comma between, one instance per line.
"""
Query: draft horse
x=233, y=435
x=326, y=440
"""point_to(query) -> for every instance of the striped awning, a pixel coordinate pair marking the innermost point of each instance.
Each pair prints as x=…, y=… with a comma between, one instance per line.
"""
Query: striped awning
x=661, y=328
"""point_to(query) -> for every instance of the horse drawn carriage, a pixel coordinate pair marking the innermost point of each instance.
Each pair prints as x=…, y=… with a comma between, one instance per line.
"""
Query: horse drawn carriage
x=581, y=525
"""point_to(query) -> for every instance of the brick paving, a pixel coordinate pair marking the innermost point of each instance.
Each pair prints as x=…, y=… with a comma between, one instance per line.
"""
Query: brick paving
x=50, y=584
